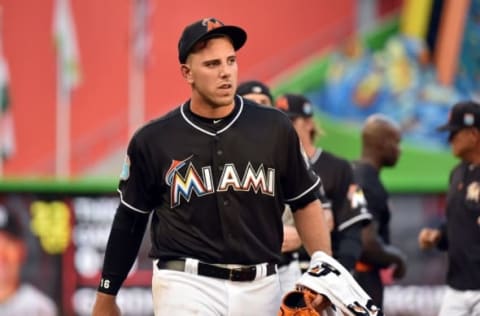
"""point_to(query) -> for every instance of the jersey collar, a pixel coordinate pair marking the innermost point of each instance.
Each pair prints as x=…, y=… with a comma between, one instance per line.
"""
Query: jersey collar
x=209, y=129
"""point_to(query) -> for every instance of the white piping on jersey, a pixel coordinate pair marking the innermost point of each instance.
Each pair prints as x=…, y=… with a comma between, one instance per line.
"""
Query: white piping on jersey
x=130, y=206
x=316, y=155
x=354, y=220
x=304, y=192
x=208, y=132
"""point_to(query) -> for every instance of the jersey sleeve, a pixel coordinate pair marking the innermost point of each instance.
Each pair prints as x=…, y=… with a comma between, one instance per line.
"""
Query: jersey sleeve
x=301, y=183
x=352, y=208
x=137, y=185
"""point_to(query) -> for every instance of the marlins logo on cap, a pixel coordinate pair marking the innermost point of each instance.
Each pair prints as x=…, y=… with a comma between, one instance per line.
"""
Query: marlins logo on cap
x=462, y=115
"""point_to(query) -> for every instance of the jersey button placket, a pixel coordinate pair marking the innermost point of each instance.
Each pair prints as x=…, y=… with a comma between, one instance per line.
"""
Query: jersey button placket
x=223, y=201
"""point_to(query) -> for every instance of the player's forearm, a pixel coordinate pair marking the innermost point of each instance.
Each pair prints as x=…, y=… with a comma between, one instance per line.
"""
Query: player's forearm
x=382, y=255
x=123, y=245
x=312, y=228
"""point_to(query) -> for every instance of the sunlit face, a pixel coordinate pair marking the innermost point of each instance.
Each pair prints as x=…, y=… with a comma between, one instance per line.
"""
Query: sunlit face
x=259, y=98
x=12, y=255
x=211, y=70
x=464, y=141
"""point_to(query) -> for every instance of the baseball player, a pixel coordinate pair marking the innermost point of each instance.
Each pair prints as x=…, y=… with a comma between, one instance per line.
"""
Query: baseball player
x=380, y=148
x=214, y=175
x=289, y=270
x=460, y=234
x=16, y=297
x=256, y=91
x=348, y=205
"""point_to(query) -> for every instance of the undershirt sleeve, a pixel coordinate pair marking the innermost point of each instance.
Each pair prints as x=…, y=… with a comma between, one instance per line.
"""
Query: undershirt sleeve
x=123, y=244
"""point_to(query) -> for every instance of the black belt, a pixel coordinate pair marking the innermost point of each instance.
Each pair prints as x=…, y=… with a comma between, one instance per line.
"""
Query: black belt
x=247, y=273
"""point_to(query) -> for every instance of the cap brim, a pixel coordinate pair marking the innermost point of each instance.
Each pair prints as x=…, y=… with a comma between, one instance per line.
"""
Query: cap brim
x=235, y=33
x=448, y=128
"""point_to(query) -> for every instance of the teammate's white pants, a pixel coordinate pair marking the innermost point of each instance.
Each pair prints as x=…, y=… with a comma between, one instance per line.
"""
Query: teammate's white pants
x=185, y=294
x=289, y=275
x=460, y=303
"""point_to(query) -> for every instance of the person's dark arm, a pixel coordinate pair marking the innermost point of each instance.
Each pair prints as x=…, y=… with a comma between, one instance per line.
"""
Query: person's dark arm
x=378, y=253
x=443, y=241
x=123, y=245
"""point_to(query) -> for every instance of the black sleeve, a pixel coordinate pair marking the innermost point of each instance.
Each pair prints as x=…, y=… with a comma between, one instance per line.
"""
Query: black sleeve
x=349, y=246
x=123, y=245
x=443, y=242
x=302, y=183
x=137, y=186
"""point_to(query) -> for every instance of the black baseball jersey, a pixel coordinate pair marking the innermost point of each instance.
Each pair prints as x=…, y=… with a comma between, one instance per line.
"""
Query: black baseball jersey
x=463, y=227
x=217, y=188
x=368, y=178
x=347, y=201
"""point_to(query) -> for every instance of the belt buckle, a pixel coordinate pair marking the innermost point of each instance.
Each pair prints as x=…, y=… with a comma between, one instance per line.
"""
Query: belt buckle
x=234, y=274
x=242, y=274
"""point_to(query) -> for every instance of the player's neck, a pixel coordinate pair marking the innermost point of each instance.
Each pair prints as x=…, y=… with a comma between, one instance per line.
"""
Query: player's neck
x=309, y=148
x=206, y=109
x=370, y=160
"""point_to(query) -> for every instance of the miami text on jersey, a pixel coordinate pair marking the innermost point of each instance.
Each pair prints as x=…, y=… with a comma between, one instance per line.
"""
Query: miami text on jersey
x=191, y=181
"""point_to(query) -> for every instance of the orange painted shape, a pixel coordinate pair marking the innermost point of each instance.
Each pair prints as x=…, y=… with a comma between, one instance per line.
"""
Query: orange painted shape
x=450, y=37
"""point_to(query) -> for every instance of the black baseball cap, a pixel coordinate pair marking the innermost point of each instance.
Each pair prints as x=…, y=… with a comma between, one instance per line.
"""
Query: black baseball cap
x=462, y=115
x=205, y=29
x=10, y=222
x=295, y=105
x=254, y=86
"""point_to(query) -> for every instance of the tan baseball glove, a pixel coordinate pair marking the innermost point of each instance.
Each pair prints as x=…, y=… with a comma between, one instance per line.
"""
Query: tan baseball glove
x=298, y=303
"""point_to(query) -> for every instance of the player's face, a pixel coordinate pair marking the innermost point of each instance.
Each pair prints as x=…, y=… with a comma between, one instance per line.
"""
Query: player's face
x=306, y=130
x=12, y=254
x=464, y=142
x=212, y=73
x=259, y=98
x=391, y=148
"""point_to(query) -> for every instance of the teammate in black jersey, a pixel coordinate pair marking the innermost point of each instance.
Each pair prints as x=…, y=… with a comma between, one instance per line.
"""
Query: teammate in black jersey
x=380, y=148
x=460, y=234
x=349, y=211
x=214, y=175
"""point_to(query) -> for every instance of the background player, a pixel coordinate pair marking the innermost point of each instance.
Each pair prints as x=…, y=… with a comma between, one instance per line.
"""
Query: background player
x=17, y=297
x=380, y=148
x=214, y=174
x=347, y=203
x=460, y=234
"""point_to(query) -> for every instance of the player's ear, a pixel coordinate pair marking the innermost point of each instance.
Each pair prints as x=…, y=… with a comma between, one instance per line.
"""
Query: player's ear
x=186, y=72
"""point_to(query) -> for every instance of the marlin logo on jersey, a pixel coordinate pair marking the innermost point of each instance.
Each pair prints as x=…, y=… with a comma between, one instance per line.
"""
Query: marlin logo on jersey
x=191, y=181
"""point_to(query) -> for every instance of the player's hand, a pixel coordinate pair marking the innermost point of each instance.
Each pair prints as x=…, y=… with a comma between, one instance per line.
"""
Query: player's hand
x=320, y=302
x=291, y=239
x=428, y=238
x=400, y=268
x=105, y=305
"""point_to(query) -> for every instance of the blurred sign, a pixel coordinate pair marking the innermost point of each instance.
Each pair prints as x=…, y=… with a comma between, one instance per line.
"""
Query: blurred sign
x=66, y=237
